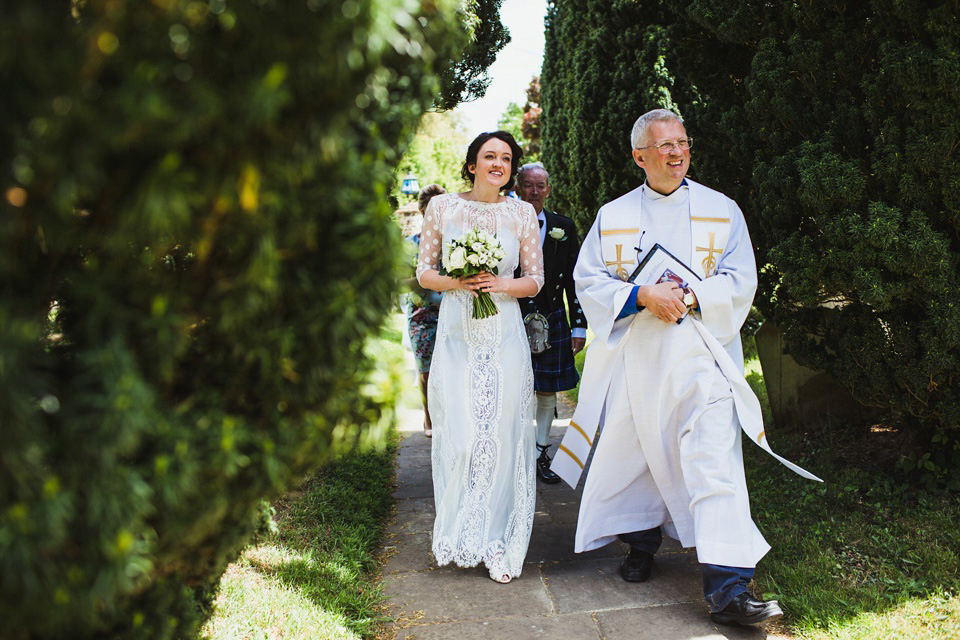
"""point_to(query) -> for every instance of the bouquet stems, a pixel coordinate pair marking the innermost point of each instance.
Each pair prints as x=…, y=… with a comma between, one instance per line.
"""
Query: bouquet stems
x=484, y=306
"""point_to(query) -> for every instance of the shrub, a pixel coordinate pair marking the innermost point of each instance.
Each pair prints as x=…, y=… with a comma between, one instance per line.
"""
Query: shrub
x=835, y=126
x=194, y=244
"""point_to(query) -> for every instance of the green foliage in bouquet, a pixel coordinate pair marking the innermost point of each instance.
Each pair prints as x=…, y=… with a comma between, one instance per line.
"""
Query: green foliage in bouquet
x=836, y=126
x=194, y=244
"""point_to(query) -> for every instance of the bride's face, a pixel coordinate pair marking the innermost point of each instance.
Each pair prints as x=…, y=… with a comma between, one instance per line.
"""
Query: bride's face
x=493, y=163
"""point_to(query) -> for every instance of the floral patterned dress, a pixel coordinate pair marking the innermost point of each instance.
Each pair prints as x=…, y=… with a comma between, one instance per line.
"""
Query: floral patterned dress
x=423, y=314
x=481, y=393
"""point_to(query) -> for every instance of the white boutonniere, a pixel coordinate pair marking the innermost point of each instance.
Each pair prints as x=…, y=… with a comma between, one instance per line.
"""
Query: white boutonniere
x=557, y=234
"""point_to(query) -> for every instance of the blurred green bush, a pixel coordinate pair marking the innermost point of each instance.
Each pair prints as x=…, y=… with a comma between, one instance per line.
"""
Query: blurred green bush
x=195, y=242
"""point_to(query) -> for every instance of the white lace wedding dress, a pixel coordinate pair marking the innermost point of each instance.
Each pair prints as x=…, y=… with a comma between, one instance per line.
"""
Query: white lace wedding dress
x=481, y=392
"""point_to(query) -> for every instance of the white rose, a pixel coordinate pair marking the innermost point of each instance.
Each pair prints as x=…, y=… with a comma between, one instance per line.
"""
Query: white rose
x=557, y=233
x=456, y=259
x=473, y=259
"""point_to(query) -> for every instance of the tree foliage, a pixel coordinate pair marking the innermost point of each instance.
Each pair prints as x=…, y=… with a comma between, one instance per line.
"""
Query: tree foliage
x=594, y=84
x=435, y=155
x=530, y=128
x=835, y=126
x=194, y=244
x=524, y=122
x=511, y=120
x=466, y=78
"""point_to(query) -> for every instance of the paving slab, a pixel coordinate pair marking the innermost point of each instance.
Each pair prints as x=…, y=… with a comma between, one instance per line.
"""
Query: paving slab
x=671, y=622
x=580, y=626
x=408, y=552
x=420, y=487
x=552, y=543
x=560, y=507
x=414, y=473
x=456, y=594
x=596, y=585
x=413, y=515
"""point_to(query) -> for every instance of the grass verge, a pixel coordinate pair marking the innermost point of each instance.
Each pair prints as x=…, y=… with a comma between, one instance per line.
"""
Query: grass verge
x=863, y=556
x=316, y=577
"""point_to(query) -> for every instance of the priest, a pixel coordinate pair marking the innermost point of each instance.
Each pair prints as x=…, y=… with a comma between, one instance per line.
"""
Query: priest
x=664, y=379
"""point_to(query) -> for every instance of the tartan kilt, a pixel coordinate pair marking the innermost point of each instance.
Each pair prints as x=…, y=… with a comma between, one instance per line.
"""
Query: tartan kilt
x=554, y=370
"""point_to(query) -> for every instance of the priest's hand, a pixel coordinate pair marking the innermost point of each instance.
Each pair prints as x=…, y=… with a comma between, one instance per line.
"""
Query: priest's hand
x=664, y=300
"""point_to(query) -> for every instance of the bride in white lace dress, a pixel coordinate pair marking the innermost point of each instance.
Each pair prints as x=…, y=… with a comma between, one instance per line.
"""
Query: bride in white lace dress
x=481, y=381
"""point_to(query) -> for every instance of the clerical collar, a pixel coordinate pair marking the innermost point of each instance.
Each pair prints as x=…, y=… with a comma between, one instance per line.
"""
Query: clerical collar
x=653, y=194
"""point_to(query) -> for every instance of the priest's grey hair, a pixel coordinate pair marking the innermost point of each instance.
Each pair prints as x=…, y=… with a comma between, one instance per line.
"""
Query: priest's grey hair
x=638, y=137
x=533, y=165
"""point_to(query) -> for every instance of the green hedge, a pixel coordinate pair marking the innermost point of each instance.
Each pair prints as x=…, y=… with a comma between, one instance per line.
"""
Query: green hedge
x=836, y=126
x=194, y=244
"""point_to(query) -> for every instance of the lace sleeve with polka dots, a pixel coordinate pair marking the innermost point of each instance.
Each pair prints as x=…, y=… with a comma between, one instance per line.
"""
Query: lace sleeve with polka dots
x=431, y=238
x=531, y=258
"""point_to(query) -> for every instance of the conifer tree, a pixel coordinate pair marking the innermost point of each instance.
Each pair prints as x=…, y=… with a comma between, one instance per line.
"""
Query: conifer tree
x=594, y=84
x=835, y=126
x=466, y=78
x=840, y=133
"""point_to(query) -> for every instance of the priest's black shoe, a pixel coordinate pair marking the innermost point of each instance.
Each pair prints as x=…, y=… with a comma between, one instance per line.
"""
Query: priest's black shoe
x=636, y=566
x=745, y=609
x=544, y=473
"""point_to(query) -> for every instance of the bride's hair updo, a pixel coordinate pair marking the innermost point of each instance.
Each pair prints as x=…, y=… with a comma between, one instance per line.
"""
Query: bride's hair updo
x=474, y=150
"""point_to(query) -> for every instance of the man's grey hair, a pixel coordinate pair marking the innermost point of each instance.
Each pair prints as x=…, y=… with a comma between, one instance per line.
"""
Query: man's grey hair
x=638, y=137
x=533, y=165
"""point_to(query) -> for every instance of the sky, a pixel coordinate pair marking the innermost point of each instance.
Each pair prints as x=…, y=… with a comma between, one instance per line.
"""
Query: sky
x=516, y=64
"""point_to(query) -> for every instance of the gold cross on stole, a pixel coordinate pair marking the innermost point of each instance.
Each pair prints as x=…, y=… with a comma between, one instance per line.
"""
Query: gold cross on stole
x=621, y=272
x=709, y=263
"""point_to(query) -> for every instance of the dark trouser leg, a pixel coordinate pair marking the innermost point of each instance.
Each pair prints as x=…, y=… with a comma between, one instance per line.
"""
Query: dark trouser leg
x=722, y=584
x=647, y=541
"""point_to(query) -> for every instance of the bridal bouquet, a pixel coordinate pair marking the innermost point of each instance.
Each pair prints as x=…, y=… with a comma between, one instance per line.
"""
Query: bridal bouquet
x=474, y=252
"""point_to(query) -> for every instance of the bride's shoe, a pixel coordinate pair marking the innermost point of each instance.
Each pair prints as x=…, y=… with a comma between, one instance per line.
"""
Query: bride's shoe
x=499, y=578
x=497, y=570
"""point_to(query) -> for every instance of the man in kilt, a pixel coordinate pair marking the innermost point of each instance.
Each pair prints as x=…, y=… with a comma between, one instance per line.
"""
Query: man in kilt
x=553, y=370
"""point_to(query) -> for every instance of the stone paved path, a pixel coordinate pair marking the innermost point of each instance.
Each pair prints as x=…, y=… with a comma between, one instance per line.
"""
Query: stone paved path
x=560, y=595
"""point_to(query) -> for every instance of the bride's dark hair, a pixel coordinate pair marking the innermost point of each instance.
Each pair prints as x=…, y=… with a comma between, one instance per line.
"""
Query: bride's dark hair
x=474, y=150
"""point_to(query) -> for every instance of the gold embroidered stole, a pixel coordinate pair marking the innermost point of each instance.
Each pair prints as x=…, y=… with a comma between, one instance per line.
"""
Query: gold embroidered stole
x=620, y=233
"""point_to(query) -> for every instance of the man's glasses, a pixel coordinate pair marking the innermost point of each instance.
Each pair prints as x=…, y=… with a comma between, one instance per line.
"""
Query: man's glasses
x=683, y=144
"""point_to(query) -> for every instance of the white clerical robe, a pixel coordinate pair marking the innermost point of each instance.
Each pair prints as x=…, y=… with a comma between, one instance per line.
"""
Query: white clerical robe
x=672, y=395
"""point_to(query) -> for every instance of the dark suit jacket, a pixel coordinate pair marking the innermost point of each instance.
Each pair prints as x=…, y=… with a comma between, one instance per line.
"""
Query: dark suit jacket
x=559, y=258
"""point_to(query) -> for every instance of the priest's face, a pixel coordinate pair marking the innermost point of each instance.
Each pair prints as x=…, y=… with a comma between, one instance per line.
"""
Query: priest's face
x=665, y=171
x=534, y=187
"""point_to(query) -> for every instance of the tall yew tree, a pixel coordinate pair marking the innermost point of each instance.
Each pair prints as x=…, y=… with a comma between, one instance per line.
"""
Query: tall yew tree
x=593, y=85
x=195, y=242
x=846, y=130
x=836, y=126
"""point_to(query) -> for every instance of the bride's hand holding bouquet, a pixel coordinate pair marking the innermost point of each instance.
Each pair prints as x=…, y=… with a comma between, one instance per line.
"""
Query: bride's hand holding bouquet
x=473, y=258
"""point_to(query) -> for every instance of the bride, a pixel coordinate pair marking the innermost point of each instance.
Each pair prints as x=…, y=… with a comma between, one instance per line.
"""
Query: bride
x=481, y=381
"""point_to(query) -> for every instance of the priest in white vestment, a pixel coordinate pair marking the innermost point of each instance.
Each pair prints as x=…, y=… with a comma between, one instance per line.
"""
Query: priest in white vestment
x=669, y=397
